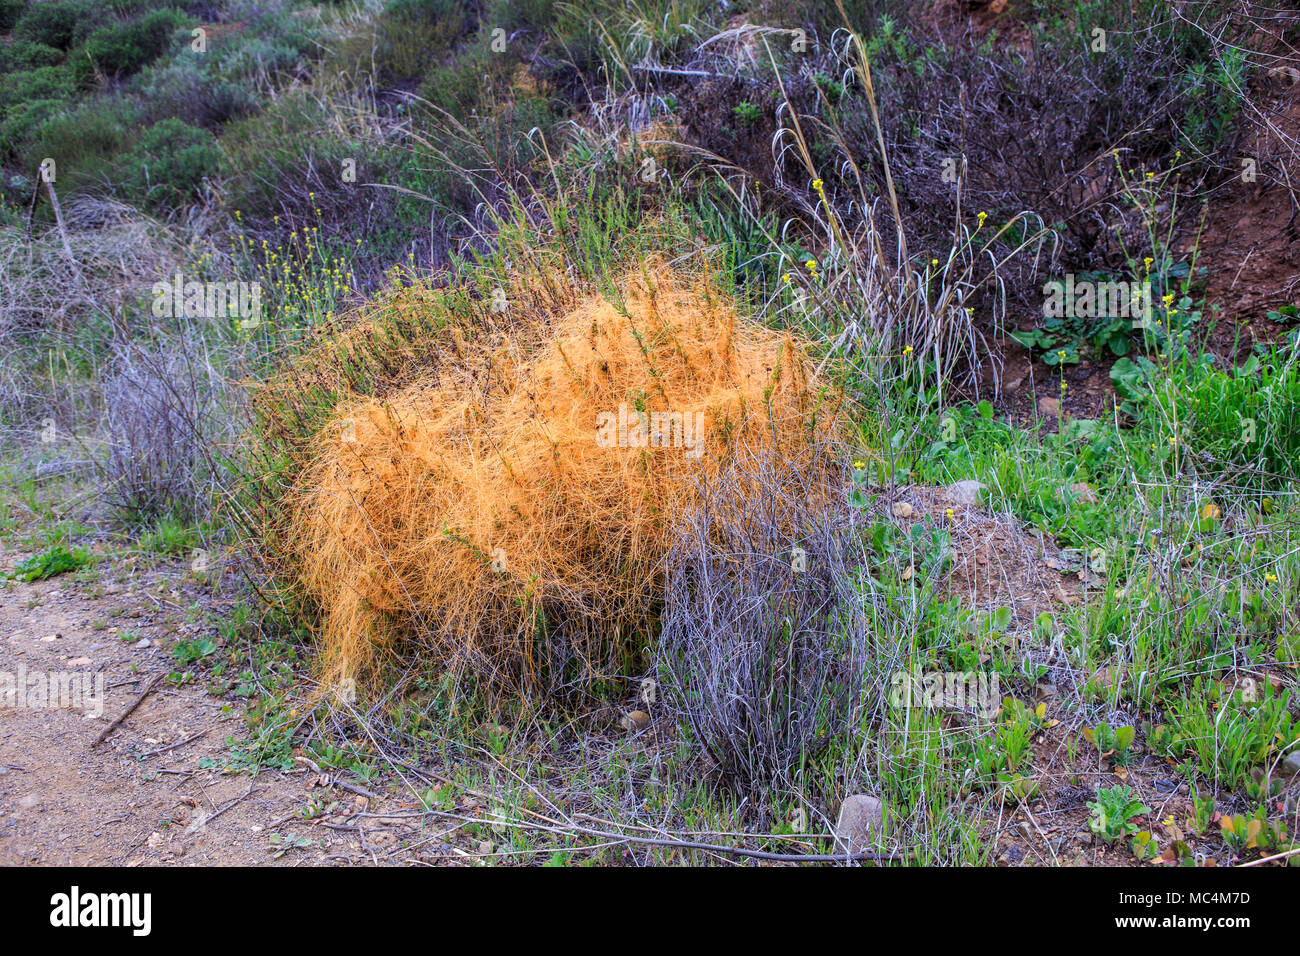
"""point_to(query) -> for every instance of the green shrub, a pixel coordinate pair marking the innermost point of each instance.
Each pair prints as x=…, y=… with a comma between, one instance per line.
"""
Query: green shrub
x=83, y=139
x=747, y=113
x=21, y=121
x=43, y=83
x=58, y=24
x=168, y=164
x=10, y=11
x=27, y=99
x=26, y=55
x=121, y=50
x=255, y=59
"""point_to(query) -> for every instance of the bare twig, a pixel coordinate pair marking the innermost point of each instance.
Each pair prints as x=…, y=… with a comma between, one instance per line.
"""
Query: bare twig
x=126, y=713
x=163, y=750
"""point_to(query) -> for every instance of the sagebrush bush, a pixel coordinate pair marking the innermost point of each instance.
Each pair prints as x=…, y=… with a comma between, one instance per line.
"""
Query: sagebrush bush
x=189, y=89
x=256, y=61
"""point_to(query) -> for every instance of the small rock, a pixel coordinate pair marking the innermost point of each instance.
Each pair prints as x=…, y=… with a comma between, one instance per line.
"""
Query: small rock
x=634, y=721
x=1291, y=764
x=79, y=661
x=860, y=814
x=1050, y=407
x=141, y=645
x=901, y=509
x=966, y=492
x=28, y=801
x=1085, y=837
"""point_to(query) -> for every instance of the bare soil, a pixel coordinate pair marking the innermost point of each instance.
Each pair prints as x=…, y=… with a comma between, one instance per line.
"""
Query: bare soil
x=145, y=796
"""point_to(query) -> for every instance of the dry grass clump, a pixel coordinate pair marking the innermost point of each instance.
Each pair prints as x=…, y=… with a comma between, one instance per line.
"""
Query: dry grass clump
x=56, y=286
x=513, y=520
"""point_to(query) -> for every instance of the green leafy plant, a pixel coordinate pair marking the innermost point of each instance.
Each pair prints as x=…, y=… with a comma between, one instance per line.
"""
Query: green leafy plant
x=1111, y=742
x=187, y=652
x=1225, y=742
x=747, y=113
x=1256, y=832
x=1202, y=811
x=999, y=755
x=1113, y=812
x=1144, y=845
x=923, y=547
x=57, y=560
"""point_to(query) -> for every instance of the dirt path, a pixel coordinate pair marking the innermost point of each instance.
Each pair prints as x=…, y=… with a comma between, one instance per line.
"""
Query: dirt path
x=143, y=796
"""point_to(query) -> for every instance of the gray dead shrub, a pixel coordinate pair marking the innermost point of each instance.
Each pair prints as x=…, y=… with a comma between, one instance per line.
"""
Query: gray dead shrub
x=769, y=623
x=168, y=415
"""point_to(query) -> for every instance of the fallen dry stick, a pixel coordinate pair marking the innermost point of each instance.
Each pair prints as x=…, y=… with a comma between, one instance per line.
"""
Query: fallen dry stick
x=126, y=713
x=332, y=781
x=163, y=750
